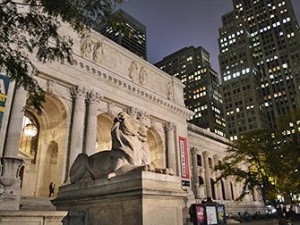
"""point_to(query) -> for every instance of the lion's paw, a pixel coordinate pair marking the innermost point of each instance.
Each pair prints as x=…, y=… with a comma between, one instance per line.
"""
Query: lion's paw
x=111, y=175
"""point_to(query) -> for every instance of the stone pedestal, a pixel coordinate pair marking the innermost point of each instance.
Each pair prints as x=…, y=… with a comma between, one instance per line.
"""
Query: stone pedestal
x=139, y=198
x=31, y=217
x=10, y=191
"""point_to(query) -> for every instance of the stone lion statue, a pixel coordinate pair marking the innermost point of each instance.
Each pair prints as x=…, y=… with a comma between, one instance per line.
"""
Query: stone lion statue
x=130, y=151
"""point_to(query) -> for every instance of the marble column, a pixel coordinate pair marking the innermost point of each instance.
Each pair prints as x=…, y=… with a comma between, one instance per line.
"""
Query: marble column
x=227, y=187
x=218, y=185
x=14, y=129
x=255, y=194
x=77, y=131
x=91, y=128
x=207, y=175
x=171, y=152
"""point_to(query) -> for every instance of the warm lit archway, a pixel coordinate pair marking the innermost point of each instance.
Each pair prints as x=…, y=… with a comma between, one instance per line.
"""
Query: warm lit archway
x=46, y=154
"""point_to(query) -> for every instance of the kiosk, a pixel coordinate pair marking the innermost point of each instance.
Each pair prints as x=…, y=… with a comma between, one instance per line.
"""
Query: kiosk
x=208, y=213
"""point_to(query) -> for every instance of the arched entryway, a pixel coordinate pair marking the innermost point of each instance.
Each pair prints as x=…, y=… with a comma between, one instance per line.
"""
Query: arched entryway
x=44, y=153
x=104, y=125
x=156, y=147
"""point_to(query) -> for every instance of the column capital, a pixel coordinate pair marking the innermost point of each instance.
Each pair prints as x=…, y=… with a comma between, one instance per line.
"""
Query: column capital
x=194, y=150
x=216, y=156
x=205, y=154
x=94, y=96
x=79, y=92
x=169, y=126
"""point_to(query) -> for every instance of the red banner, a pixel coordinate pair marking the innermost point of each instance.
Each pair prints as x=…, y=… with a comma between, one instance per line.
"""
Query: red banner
x=184, y=160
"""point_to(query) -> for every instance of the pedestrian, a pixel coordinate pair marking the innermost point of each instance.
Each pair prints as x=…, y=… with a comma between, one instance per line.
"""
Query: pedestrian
x=51, y=189
x=291, y=213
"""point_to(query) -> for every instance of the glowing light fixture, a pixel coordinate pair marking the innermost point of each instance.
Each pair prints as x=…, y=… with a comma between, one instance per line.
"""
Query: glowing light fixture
x=30, y=130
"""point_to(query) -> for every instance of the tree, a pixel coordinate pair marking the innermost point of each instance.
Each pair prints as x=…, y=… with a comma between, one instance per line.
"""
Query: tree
x=32, y=27
x=258, y=160
x=288, y=139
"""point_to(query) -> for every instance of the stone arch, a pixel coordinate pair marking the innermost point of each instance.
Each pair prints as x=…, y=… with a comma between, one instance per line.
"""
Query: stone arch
x=50, y=166
x=104, y=125
x=156, y=147
x=51, y=149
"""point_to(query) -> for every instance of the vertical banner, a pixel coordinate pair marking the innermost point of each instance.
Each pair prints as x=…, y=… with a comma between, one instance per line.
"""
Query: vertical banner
x=4, y=82
x=184, y=162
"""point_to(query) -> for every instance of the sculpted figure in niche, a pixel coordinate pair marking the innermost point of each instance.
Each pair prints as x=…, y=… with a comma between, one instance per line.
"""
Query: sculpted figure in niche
x=133, y=71
x=142, y=75
x=130, y=151
x=86, y=46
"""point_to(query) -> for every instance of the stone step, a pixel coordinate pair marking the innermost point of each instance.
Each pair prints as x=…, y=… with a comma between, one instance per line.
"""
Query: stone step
x=36, y=203
x=31, y=217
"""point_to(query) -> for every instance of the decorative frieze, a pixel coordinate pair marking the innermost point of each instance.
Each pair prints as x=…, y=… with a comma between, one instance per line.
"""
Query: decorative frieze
x=140, y=77
x=137, y=73
x=92, y=49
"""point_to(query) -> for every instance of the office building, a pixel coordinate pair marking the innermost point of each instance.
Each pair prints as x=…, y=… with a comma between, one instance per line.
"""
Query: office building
x=192, y=66
x=131, y=34
x=259, y=44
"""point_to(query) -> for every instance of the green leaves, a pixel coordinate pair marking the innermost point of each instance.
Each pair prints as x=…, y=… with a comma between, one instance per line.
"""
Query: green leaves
x=32, y=27
x=263, y=160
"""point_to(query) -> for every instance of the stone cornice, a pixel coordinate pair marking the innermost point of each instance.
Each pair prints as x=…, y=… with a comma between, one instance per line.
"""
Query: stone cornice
x=127, y=85
x=195, y=131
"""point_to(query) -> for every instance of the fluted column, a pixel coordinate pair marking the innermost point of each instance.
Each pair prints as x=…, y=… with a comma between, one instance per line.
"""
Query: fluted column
x=91, y=129
x=255, y=194
x=76, y=145
x=227, y=187
x=218, y=185
x=207, y=175
x=171, y=153
x=14, y=129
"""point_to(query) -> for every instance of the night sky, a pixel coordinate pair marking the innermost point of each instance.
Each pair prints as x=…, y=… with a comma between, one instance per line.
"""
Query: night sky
x=175, y=24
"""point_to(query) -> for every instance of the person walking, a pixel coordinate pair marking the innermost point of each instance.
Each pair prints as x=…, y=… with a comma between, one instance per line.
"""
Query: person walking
x=51, y=189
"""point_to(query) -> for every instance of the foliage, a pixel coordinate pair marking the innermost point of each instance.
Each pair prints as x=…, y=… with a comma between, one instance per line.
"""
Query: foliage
x=32, y=27
x=265, y=159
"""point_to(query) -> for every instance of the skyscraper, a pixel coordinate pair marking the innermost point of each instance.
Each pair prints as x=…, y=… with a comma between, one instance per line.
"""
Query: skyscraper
x=259, y=59
x=192, y=66
x=131, y=35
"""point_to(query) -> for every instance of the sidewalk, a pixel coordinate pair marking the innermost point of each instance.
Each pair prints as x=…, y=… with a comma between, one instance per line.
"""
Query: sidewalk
x=261, y=222
x=257, y=222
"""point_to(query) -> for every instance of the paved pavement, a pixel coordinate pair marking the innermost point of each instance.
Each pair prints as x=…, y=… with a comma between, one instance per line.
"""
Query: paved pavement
x=261, y=222
x=257, y=222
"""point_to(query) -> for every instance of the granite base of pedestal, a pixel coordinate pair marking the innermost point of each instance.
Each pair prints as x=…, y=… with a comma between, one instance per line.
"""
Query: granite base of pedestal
x=10, y=198
x=139, y=198
x=31, y=217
